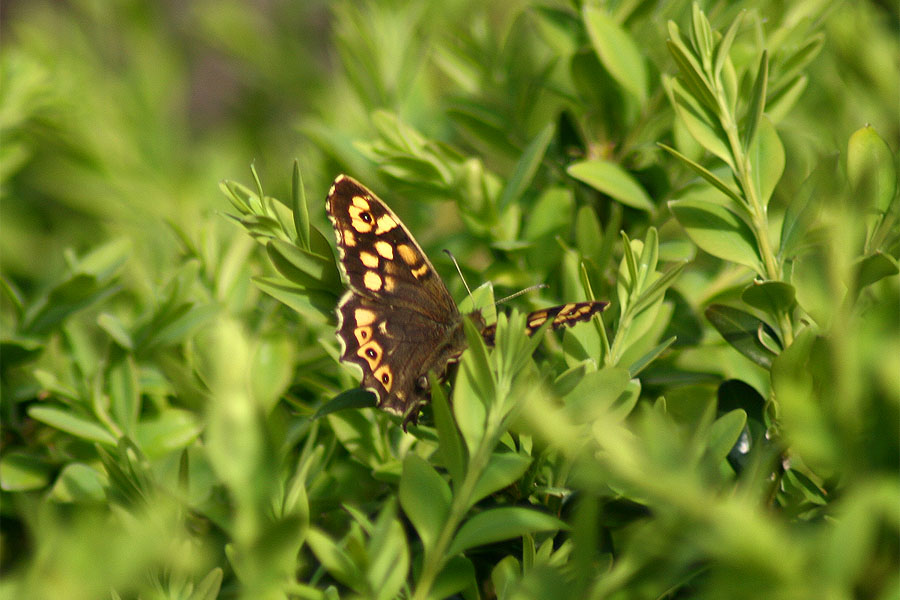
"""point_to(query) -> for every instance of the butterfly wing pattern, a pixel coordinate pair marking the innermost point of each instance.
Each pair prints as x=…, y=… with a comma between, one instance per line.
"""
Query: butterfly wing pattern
x=398, y=322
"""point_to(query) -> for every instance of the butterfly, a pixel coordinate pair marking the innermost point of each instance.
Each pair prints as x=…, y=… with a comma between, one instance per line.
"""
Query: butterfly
x=398, y=322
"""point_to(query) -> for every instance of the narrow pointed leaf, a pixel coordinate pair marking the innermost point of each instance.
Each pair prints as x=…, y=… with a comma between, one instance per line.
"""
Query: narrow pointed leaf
x=425, y=498
x=299, y=207
x=767, y=157
x=617, y=51
x=65, y=420
x=757, y=101
x=705, y=174
x=526, y=167
x=611, y=179
x=500, y=524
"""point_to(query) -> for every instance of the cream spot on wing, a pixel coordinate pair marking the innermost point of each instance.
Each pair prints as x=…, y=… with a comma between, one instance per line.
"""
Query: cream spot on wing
x=331, y=190
x=360, y=219
x=563, y=315
x=390, y=283
x=363, y=334
x=382, y=327
x=407, y=254
x=371, y=353
x=349, y=238
x=360, y=202
x=537, y=321
x=385, y=223
x=361, y=226
x=363, y=317
x=368, y=259
x=385, y=250
x=420, y=271
x=372, y=281
x=385, y=377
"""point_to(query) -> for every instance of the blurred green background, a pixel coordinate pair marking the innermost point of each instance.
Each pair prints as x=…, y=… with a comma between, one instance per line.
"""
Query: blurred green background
x=129, y=294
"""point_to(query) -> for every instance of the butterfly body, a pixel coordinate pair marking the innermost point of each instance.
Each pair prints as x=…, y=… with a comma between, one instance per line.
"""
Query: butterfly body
x=398, y=322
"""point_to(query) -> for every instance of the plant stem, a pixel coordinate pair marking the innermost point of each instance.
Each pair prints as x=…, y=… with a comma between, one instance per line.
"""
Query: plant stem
x=436, y=559
x=758, y=214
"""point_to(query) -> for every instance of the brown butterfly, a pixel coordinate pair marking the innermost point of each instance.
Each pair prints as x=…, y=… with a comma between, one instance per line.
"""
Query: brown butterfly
x=397, y=321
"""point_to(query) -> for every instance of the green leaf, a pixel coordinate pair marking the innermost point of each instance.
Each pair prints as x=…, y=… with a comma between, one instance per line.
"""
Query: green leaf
x=349, y=399
x=172, y=430
x=767, y=157
x=702, y=124
x=502, y=470
x=209, y=586
x=596, y=394
x=526, y=167
x=335, y=559
x=657, y=289
x=723, y=49
x=498, y=524
x=783, y=100
x=691, y=71
x=21, y=472
x=124, y=393
x=477, y=362
x=79, y=483
x=116, y=330
x=871, y=170
x=814, y=288
x=873, y=268
x=316, y=306
x=425, y=498
x=757, y=103
x=618, y=52
x=719, y=231
x=457, y=575
x=453, y=452
x=65, y=299
x=67, y=421
x=299, y=207
x=701, y=36
x=705, y=174
x=771, y=297
x=303, y=267
x=803, y=209
x=551, y=214
x=19, y=351
x=388, y=554
x=613, y=180
x=588, y=232
x=724, y=433
x=742, y=330
x=641, y=363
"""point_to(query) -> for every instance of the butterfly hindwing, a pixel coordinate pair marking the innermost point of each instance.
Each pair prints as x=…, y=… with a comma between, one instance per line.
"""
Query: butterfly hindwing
x=564, y=315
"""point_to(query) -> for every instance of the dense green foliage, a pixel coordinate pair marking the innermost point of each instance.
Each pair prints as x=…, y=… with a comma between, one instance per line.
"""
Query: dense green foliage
x=175, y=423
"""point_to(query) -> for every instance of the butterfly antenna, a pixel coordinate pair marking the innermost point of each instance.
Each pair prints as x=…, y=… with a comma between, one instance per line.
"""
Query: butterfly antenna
x=458, y=270
x=520, y=292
